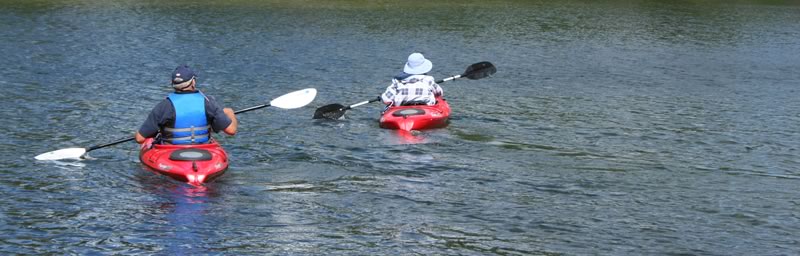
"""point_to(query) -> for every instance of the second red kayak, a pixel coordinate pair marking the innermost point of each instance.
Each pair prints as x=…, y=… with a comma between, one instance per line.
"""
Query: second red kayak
x=417, y=117
x=194, y=164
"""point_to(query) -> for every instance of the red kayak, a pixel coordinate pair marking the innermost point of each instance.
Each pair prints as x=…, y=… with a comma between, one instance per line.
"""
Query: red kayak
x=194, y=164
x=417, y=117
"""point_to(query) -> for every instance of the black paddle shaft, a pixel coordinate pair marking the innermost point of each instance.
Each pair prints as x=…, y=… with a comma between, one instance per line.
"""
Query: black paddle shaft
x=475, y=71
x=251, y=108
x=109, y=144
x=130, y=139
x=336, y=111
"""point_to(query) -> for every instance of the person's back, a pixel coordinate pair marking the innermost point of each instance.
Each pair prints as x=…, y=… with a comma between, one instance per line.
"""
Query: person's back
x=187, y=115
x=413, y=86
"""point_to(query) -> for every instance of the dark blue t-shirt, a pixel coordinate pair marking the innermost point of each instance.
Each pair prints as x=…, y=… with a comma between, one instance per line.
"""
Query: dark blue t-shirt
x=163, y=115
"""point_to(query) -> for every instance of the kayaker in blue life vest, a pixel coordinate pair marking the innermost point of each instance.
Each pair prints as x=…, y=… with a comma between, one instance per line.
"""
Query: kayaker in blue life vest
x=187, y=115
x=413, y=86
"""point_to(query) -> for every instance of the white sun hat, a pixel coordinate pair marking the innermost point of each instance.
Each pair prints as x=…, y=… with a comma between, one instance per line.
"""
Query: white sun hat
x=417, y=64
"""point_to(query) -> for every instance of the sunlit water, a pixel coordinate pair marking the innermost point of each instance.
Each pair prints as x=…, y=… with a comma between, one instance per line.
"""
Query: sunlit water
x=621, y=127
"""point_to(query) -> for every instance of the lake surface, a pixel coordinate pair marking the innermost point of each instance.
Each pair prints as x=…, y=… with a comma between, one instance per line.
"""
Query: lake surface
x=611, y=128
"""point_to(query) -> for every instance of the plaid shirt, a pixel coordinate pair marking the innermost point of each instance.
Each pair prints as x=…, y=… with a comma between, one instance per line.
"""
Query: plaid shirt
x=415, y=88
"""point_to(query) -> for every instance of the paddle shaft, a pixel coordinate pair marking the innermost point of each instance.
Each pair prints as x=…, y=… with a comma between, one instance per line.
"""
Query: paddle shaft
x=450, y=78
x=109, y=144
x=251, y=108
x=362, y=103
x=379, y=98
x=130, y=139
x=475, y=71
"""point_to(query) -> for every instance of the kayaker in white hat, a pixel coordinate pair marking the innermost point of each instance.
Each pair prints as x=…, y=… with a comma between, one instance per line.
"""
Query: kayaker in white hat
x=186, y=116
x=413, y=86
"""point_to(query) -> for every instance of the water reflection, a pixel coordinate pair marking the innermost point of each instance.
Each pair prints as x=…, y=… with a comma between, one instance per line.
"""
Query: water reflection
x=186, y=214
x=69, y=165
x=410, y=137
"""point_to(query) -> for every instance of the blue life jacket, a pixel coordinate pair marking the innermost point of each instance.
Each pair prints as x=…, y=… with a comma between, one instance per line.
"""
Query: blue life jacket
x=191, y=125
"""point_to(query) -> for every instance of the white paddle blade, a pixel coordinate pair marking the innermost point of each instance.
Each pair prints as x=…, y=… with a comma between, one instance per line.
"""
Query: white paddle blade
x=67, y=153
x=295, y=99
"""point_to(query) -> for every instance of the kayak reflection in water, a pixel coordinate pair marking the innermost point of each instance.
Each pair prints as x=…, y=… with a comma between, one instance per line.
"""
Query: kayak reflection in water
x=187, y=115
x=413, y=86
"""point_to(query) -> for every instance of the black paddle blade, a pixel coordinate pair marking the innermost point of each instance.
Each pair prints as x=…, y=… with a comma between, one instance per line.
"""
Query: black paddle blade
x=480, y=70
x=331, y=111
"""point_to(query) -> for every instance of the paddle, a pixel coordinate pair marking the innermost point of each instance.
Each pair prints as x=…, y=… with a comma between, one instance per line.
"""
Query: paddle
x=475, y=71
x=290, y=100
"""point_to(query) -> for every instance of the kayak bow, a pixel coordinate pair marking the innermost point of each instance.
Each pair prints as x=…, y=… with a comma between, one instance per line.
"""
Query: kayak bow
x=417, y=117
x=195, y=164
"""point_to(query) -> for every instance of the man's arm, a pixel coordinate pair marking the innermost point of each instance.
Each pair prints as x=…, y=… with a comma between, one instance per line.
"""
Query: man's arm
x=150, y=126
x=391, y=91
x=139, y=138
x=233, y=127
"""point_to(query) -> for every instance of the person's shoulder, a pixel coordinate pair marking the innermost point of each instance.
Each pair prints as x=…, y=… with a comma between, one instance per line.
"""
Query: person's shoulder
x=163, y=107
x=164, y=102
x=207, y=97
x=210, y=98
x=401, y=76
x=212, y=102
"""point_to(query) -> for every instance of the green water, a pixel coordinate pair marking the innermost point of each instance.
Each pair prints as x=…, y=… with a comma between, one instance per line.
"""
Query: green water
x=611, y=128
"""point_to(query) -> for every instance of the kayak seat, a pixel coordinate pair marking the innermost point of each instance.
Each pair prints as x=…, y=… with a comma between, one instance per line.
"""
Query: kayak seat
x=190, y=154
x=415, y=103
x=409, y=112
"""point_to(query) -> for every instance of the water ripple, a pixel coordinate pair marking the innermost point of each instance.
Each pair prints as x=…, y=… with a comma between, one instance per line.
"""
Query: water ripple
x=614, y=127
